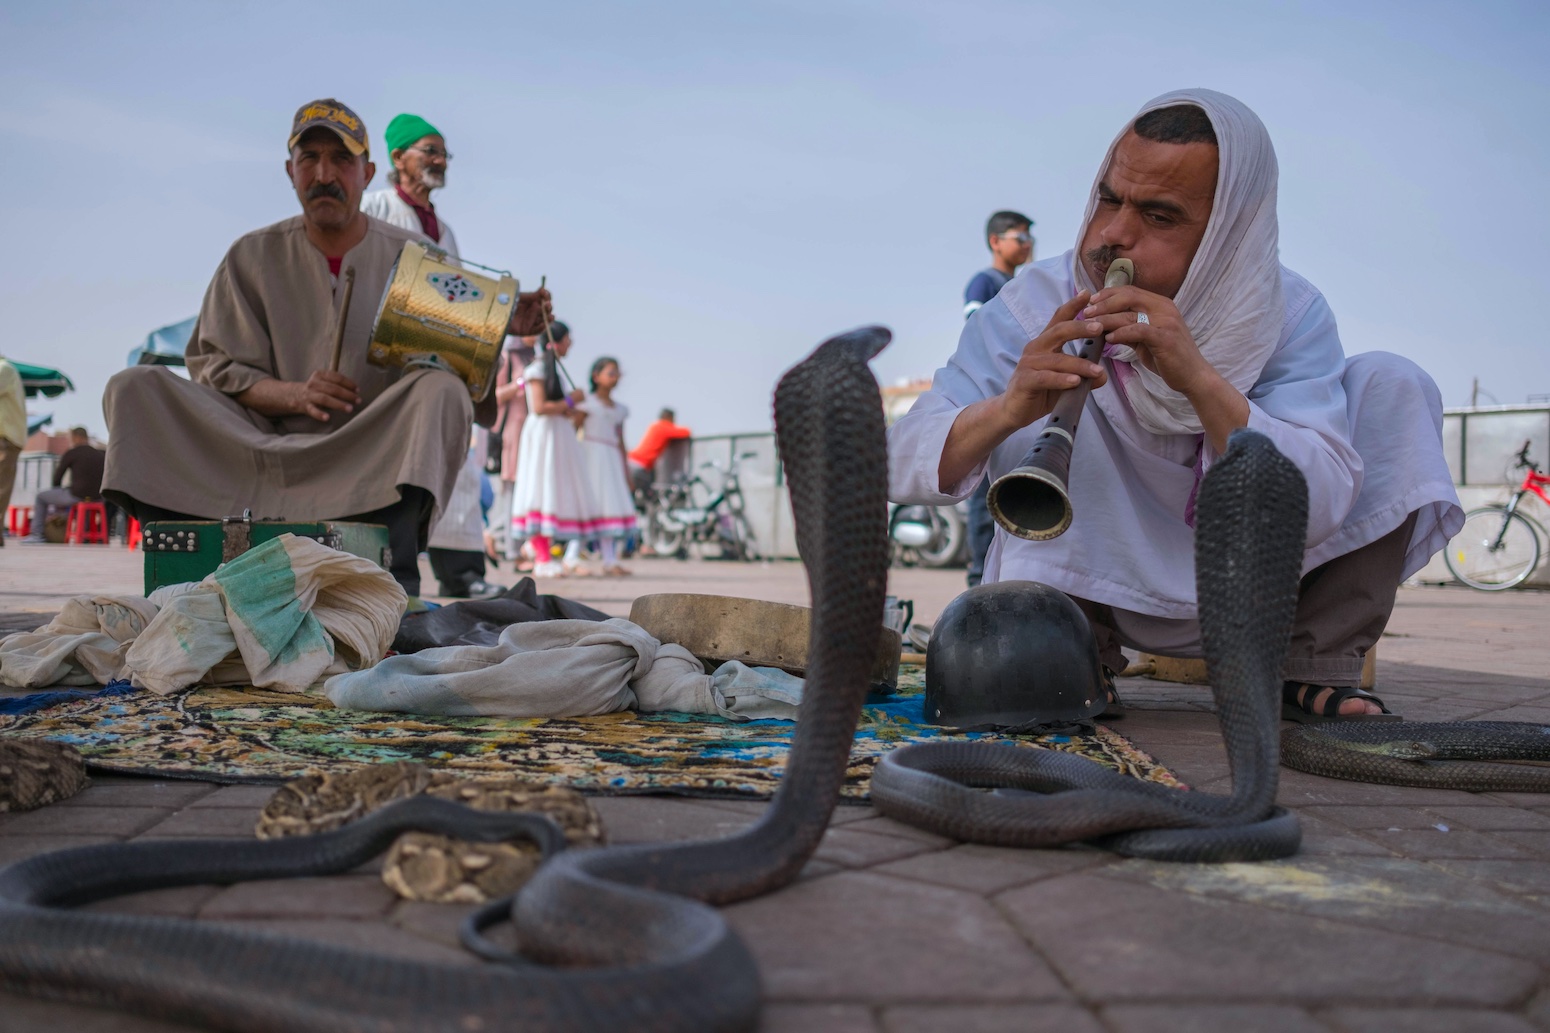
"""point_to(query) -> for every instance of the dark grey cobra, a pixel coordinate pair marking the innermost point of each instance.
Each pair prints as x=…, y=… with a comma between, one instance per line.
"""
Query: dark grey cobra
x=1249, y=538
x=1464, y=755
x=623, y=938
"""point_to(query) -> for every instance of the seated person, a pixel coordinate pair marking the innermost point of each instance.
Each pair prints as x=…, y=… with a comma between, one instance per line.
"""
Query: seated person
x=83, y=462
x=653, y=443
x=1214, y=334
x=264, y=425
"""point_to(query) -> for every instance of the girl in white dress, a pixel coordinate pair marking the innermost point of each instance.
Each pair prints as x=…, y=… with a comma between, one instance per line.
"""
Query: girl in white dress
x=608, y=473
x=550, y=498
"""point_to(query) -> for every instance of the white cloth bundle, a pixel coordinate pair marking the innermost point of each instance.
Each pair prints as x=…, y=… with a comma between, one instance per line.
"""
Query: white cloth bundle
x=282, y=616
x=1231, y=297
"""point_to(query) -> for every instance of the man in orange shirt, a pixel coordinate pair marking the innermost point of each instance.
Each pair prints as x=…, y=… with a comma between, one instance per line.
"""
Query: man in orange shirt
x=652, y=444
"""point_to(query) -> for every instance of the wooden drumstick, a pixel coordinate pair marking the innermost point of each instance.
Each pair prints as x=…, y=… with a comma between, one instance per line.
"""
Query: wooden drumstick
x=344, y=315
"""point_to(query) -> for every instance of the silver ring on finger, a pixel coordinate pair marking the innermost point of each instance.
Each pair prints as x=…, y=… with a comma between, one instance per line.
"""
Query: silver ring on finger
x=1141, y=318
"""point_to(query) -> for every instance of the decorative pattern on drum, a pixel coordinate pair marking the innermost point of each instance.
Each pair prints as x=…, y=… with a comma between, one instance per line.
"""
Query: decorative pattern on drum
x=454, y=288
x=442, y=314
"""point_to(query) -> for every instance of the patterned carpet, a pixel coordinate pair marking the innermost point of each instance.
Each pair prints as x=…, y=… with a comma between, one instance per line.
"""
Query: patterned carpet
x=227, y=735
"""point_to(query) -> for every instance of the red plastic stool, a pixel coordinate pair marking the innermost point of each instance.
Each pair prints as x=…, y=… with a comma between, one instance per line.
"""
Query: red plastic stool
x=132, y=534
x=88, y=524
x=18, y=521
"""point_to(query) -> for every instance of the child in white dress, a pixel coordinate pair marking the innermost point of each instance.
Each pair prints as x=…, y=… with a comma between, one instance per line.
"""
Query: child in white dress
x=608, y=474
x=550, y=498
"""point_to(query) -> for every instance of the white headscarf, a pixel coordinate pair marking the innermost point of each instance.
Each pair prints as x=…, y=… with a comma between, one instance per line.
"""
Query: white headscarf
x=1231, y=297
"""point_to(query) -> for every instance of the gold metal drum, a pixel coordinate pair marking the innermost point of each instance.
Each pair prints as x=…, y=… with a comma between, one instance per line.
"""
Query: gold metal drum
x=440, y=314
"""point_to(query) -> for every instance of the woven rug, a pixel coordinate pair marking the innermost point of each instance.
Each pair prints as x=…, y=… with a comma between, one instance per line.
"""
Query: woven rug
x=230, y=735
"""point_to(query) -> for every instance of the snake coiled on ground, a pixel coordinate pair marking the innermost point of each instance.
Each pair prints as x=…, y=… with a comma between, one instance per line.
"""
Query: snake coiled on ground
x=622, y=938
x=1430, y=755
x=1252, y=518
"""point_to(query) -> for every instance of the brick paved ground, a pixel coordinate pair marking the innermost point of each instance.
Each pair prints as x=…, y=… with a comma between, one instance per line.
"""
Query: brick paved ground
x=1407, y=909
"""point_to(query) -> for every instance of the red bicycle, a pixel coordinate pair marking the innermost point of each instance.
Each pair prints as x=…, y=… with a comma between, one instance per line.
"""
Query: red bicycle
x=1498, y=547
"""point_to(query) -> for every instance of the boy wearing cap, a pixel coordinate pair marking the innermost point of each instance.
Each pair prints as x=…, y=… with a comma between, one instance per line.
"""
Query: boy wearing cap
x=264, y=425
x=420, y=157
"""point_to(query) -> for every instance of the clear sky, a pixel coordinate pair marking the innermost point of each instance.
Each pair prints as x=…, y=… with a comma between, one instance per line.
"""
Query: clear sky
x=712, y=188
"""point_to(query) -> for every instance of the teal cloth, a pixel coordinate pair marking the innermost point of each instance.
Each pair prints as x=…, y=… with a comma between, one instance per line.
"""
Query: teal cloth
x=405, y=129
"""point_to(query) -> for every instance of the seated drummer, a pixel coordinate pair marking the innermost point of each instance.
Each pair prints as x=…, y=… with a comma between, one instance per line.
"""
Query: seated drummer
x=264, y=425
x=1215, y=334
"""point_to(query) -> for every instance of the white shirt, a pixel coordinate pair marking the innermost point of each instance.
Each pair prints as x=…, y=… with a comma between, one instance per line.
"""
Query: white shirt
x=390, y=208
x=1371, y=456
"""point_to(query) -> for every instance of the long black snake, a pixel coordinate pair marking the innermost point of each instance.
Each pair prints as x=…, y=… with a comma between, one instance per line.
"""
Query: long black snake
x=626, y=935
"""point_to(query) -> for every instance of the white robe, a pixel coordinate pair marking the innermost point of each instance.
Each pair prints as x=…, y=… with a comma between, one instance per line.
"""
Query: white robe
x=391, y=209
x=1365, y=432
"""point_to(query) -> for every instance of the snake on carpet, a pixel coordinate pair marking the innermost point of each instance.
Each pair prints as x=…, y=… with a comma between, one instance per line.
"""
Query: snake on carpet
x=1252, y=517
x=624, y=937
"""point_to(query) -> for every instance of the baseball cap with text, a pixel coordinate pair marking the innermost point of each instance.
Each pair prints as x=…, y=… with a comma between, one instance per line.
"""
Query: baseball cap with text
x=330, y=114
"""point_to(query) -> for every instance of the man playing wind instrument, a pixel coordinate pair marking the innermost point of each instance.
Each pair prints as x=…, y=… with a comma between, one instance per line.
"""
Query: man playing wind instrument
x=1214, y=334
x=265, y=426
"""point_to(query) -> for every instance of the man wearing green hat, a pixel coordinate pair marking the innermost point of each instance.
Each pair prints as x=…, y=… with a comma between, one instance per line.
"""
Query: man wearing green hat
x=265, y=424
x=419, y=156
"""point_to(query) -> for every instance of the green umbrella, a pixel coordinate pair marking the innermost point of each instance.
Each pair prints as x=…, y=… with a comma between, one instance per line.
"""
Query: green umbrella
x=40, y=380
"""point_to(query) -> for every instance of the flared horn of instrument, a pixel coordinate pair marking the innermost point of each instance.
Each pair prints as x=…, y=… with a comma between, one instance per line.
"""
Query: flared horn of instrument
x=1032, y=501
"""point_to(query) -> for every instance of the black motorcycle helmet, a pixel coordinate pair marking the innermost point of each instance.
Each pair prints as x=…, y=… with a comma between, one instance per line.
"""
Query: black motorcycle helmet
x=1012, y=656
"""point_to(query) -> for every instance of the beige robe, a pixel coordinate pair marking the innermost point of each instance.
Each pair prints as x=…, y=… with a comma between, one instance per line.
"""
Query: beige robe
x=270, y=311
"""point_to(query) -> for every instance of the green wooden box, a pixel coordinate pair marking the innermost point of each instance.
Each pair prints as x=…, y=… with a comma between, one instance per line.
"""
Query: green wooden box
x=177, y=551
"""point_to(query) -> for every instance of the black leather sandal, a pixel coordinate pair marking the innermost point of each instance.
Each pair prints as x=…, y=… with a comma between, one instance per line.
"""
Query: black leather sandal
x=1113, y=706
x=1295, y=706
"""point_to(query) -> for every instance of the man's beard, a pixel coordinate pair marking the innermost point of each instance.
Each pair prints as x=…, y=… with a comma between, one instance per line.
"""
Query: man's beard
x=433, y=179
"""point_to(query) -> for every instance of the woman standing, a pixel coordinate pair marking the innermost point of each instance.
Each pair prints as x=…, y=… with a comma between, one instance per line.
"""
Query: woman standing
x=608, y=472
x=511, y=397
x=550, y=498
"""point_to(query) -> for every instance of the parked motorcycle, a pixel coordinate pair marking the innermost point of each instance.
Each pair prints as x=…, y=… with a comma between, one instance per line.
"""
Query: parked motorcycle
x=929, y=536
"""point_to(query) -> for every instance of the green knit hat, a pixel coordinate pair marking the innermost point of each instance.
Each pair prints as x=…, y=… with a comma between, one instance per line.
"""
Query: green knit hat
x=405, y=130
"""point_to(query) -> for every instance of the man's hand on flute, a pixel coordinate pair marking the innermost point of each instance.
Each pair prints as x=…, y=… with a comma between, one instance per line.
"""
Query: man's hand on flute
x=1043, y=372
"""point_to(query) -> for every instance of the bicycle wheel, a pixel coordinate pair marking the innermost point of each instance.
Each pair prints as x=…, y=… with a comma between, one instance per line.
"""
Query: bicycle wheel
x=1494, y=550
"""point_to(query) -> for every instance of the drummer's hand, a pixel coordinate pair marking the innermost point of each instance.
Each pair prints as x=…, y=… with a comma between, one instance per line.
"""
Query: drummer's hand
x=532, y=313
x=324, y=391
x=578, y=396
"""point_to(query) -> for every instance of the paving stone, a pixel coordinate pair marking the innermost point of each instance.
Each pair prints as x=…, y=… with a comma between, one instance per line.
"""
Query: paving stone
x=373, y=937
x=339, y=896
x=1299, y=789
x=851, y=849
x=1395, y=894
x=1211, y=1018
x=889, y=827
x=436, y=922
x=781, y=1017
x=196, y=821
x=175, y=902
x=1429, y=1020
x=20, y=1014
x=1520, y=799
x=1117, y=942
x=1388, y=817
x=990, y=1018
x=1535, y=842
x=1453, y=843
x=19, y=848
x=83, y=821
x=253, y=796
x=656, y=819
x=139, y=793
x=1493, y=818
x=862, y=937
x=988, y=869
x=1528, y=878
x=1323, y=838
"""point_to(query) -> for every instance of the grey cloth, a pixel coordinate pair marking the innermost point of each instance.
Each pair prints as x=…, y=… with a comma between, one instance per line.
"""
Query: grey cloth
x=270, y=312
x=566, y=668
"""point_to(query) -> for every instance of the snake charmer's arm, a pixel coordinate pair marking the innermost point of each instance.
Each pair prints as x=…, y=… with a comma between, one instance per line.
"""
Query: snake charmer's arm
x=1043, y=372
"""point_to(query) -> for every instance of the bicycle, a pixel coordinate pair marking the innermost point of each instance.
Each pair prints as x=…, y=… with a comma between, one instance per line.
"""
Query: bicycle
x=1498, y=548
x=674, y=521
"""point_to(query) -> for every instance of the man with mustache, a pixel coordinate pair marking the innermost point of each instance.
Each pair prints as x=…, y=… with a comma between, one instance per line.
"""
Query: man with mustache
x=419, y=155
x=264, y=425
x=1215, y=334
